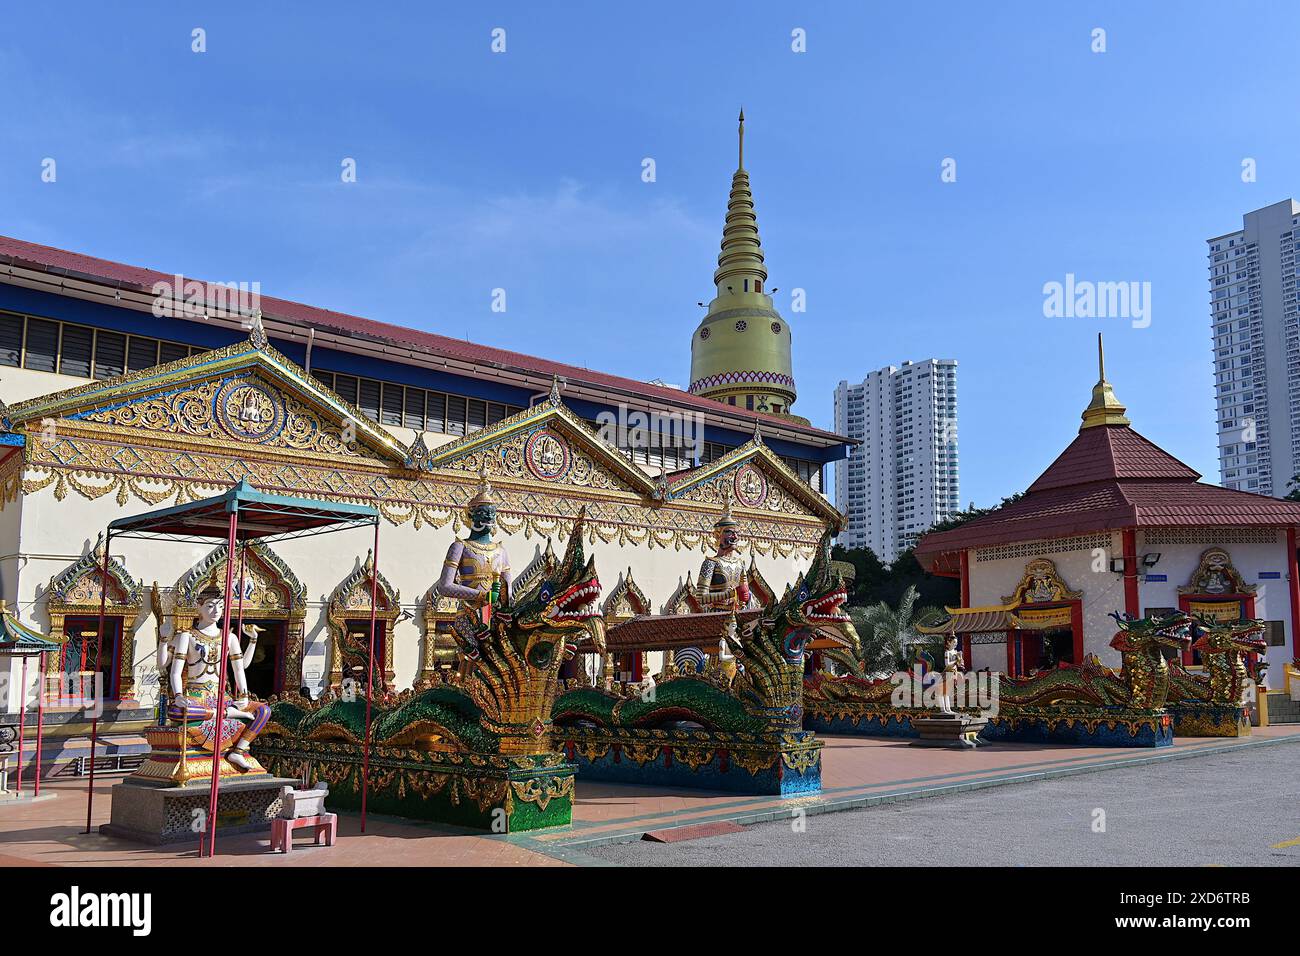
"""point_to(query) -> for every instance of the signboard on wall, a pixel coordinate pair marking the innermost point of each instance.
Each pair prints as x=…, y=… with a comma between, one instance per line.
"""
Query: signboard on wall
x=1044, y=617
x=1216, y=610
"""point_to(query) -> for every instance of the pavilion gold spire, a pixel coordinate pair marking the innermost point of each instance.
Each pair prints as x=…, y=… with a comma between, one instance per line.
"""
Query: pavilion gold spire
x=1105, y=408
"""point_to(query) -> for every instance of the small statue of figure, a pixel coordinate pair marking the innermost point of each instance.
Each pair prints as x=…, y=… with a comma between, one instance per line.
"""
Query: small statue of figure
x=723, y=585
x=477, y=569
x=724, y=581
x=951, y=673
x=191, y=659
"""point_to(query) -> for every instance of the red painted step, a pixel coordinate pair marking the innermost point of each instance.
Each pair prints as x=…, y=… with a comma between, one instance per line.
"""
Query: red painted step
x=693, y=832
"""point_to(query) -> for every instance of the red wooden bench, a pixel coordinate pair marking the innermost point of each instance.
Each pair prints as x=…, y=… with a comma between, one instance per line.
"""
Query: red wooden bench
x=282, y=830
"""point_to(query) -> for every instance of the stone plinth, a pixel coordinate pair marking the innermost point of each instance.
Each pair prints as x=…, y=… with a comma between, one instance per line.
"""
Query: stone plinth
x=152, y=813
x=958, y=731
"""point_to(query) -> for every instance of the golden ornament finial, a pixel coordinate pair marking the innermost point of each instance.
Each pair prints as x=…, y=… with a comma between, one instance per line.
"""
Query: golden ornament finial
x=740, y=160
x=485, y=494
x=726, y=521
x=1105, y=408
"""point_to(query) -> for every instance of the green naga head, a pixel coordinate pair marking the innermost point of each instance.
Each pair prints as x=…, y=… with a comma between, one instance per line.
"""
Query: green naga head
x=557, y=607
x=771, y=649
x=813, y=604
x=1148, y=634
x=515, y=657
x=1222, y=637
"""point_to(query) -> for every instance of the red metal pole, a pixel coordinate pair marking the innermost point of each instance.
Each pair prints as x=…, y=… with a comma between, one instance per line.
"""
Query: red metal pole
x=1293, y=573
x=965, y=602
x=220, y=715
x=370, y=677
x=40, y=718
x=22, y=721
x=99, y=643
x=1131, y=601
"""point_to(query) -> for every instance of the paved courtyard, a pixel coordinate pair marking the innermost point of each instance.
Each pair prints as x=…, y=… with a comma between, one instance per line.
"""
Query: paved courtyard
x=857, y=771
x=1239, y=808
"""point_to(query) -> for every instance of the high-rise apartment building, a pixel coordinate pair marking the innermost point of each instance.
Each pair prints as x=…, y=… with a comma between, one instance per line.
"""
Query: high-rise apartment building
x=903, y=477
x=1256, y=333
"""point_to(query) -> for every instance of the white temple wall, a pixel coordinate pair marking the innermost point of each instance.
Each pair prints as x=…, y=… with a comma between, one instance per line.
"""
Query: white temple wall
x=1178, y=562
x=1103, y=590
x=56, y=533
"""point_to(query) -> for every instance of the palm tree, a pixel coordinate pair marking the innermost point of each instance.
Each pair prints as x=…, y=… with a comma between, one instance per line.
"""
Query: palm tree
x=887, y=634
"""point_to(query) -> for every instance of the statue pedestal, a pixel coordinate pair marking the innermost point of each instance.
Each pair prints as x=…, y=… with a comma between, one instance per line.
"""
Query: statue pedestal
x=958, y=731
x=157, y=813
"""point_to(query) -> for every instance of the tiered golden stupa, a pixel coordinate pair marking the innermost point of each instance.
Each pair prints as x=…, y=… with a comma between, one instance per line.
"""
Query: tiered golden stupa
x=740, y=353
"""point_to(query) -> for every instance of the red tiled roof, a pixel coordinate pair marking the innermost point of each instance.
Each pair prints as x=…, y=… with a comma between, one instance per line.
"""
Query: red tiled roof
x=1109, y=477
x=75, y=264
x=1111, y=452
x=657, y=632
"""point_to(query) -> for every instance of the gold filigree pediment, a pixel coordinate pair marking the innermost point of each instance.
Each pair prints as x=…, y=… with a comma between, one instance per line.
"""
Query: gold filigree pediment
x=240, y=396
x=755, y=480
x=1216, y=574
x=1041, y=584
x=544, y=445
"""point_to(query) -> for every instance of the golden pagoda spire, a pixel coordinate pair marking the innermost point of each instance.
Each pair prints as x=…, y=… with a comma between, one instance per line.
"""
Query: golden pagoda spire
x=740, y=161
x=740, y=352
x=1105, y=408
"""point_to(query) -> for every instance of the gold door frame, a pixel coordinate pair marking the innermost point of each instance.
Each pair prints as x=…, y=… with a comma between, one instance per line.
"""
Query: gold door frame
x=351, y=602
x=75, y=592
x=274, y=593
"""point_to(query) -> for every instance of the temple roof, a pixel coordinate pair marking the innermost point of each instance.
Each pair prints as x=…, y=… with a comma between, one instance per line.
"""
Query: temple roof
x=17, y=638
x=80, y=268
x=1109, y=477
x=1111, y=452
x=659, y=632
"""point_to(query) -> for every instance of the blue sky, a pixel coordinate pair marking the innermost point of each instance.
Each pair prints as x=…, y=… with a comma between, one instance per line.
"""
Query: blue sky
x=522, y=171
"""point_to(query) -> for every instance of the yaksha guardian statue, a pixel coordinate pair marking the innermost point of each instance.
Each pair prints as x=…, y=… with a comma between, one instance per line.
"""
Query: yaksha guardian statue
x=190, y=661
x=724, y=581
x=477, y=569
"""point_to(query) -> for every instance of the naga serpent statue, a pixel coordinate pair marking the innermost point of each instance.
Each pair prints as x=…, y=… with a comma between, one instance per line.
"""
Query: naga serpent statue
x=478, y=737
x=1214, y=703
x=1075, y=703
x=1142, y=683
x=1224, y=646
x=741, y=733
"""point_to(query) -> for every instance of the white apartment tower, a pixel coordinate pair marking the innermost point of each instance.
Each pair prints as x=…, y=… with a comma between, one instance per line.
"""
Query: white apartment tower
x=1256, y=333
x=903, y=477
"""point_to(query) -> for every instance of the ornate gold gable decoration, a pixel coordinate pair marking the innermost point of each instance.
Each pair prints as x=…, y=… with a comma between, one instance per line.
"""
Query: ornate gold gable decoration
x=626, y=600
x=350, y=602
x=544, y=444
x=1215, y=574
x=239, y=395
x=75, y=592
x=757, y=482
x=189, y=429
x=1041, y=584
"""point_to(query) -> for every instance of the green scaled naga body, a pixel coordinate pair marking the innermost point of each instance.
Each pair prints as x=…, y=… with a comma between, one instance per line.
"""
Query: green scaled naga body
x=480, y=738
x=740, y=731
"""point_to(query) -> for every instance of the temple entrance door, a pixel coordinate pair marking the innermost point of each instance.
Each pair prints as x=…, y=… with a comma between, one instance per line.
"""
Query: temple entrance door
x=265, y=668
x=1057, y=648
x=77, y=659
